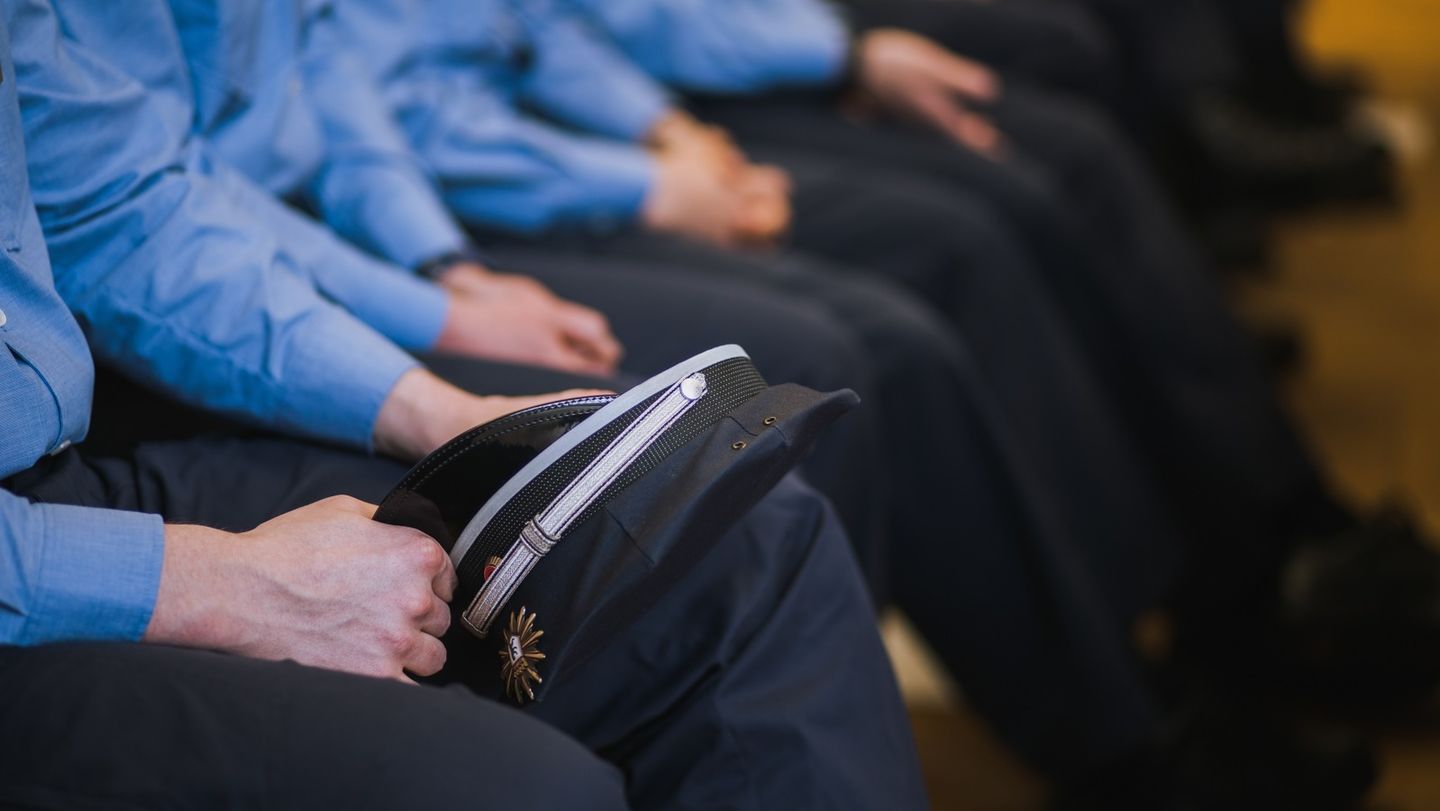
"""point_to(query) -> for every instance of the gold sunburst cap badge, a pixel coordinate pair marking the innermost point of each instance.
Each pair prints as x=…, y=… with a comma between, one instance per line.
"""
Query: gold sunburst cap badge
x=519, y=656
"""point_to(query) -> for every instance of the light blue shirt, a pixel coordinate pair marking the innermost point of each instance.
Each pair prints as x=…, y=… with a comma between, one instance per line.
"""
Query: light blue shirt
x=65, y=572
x=280, y=97
x=526, y=113
x=176, y=284
x=728, y=46
x=405, y=309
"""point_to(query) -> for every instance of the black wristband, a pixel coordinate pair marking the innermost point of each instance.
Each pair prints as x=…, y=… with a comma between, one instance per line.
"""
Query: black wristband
x=434, y=268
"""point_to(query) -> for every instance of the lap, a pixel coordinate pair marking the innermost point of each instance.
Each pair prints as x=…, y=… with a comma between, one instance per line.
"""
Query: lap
x=226, y=482
x=137, y=726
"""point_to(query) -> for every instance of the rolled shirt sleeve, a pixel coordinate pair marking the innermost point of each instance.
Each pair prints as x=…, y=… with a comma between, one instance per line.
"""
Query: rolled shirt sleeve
x=71, y=573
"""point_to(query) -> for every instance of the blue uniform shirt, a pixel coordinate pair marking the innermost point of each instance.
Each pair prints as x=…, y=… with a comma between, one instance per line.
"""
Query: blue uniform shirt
x=405, y=309
x=176, y=284
x=728, y=46
x=279, y=97
x=65, y=572
x=526, y=112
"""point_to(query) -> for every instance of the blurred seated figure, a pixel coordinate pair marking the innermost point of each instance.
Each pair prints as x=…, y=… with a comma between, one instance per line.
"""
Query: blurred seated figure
x=1220, y=88
x=1185, y=380
x=996, y=497
x=278, y=626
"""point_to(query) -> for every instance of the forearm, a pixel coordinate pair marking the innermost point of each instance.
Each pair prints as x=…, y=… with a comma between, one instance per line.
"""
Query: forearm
x=421, y=413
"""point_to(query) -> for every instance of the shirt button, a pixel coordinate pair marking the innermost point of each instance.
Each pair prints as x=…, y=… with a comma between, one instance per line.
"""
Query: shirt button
x=59, y=449
x=2, y=318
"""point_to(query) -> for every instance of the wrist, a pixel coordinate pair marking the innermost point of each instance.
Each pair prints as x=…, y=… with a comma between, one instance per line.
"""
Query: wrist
x=421, y=413
x=669, y=129
x=194, y=606
x=437, y=267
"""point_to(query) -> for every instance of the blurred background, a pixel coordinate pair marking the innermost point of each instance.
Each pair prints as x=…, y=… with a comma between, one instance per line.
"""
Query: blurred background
x=1357, y=286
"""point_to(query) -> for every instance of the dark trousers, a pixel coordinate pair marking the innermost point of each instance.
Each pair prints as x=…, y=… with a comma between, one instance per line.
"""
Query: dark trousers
x=663, y=317
x=1143, y=307
x=758, y=682
x=1060, y=45
x=1024, y=590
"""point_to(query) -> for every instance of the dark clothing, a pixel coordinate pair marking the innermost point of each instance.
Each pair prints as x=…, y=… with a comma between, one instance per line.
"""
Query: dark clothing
x=1143, y=306
x=138, y=726
x=758, y=682
x=662, y=317
x=1000, y=549
x=1061, y=45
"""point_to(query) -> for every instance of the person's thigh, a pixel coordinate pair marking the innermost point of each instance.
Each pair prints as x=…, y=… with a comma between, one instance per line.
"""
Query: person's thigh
x=1061, y=45
x=232, y=477
x=928, y=236
x=1014, y=187
x=758, y=683
x=229, y=483
x=103, y=725
x=663, y=313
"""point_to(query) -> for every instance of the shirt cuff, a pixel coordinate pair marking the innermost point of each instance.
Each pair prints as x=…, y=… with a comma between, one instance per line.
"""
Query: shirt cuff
x=616, y=179
x=347, y=374
x=99, y=575
x=828, y=61
x=631, y=112
x=395, y=303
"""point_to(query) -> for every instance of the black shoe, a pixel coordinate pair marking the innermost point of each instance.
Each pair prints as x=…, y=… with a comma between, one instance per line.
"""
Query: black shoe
x=1281, y=348
x=1256, y=157
x=1218, y=757
x=1237, y=240
x=1359, y=616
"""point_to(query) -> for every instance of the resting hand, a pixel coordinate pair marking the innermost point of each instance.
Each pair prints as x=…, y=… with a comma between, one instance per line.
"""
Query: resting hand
x=913, y=77
x=323, y=585
x=715, y=204
x=515, y=319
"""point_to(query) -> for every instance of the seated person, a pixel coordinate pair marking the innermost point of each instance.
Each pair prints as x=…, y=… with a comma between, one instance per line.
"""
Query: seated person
x=226, y=555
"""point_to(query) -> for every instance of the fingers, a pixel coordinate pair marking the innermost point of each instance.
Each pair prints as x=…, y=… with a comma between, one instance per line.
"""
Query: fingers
x=946, y=114
x=426, y=655
x=352, y=505
x=566, y=356
x=970, y=79
x=766, y=213
x=445, y=583
x=589, y=332
x=437, y=620
x=977, y=133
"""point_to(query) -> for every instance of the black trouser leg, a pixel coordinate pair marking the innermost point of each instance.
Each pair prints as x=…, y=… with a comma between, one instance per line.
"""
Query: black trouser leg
x=663, y=317
x=138, y=726
x=786, y=561
x=1149, y=316
x=1060, y=45
x=722, y=670
x=949, y=453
